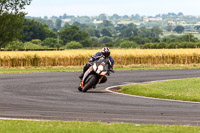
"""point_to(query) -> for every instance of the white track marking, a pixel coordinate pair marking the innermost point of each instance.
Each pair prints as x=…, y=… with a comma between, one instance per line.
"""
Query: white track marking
x=152, y=98
x=16, y=119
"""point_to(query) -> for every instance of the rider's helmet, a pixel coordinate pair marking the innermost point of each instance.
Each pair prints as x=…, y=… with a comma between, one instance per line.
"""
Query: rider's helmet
x=105, y=51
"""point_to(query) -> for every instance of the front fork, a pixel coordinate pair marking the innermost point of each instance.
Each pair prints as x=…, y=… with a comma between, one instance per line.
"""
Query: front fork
x=101, y=77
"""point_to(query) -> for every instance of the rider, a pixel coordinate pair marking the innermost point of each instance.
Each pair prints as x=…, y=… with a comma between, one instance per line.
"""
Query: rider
x=105, y=52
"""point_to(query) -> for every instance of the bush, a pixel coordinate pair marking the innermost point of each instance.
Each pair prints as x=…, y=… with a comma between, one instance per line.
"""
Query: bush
x=171, y=45
x=29, y=45
x=36, y=41
x=52, y=43
x=15, y=45
x=110, y=44
x=94, y=41
x=128, y=44
x=105, y=39
x=73, y=45
x=139, y=40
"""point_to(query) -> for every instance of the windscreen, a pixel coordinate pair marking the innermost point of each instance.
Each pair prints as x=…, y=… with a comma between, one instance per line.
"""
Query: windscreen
x=104, y=62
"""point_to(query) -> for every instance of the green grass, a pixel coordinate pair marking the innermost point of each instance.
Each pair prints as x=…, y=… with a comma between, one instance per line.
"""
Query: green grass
x=150, y=67
x=184, y=89
x=11, y=126
x=59, y=69
x=34, y=70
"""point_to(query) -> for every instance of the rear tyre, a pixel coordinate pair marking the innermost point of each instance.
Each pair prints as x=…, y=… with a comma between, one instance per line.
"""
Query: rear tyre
x=90, y=83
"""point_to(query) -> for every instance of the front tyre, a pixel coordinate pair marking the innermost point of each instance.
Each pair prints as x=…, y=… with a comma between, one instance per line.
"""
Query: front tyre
x=92, y=81
x=80, y=88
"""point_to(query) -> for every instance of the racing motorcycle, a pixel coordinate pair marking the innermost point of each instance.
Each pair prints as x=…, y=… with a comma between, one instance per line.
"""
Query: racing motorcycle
x=95, y=74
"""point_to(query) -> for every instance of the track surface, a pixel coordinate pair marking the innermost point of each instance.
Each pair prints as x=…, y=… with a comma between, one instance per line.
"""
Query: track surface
x=54, y=96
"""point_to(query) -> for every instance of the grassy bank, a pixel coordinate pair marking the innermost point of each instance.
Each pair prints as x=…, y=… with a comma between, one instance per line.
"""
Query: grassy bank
x=80, y=68
x=184, y=89
x=9, y=126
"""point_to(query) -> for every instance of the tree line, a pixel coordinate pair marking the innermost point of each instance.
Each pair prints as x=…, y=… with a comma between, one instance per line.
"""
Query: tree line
x=80, y=35
x=18, y=32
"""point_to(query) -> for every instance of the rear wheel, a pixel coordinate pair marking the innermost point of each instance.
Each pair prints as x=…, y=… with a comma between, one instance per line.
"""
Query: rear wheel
x=90, y=83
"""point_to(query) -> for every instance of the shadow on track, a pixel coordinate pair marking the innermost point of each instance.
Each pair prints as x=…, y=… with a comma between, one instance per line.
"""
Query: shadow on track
x=96, y=92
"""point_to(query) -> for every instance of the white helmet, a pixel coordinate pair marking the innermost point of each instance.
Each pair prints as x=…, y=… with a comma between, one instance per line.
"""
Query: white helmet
x=105, y=51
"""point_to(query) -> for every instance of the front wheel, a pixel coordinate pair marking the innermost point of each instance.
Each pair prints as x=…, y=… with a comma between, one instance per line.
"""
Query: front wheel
x=90, y=83
x=80, y=88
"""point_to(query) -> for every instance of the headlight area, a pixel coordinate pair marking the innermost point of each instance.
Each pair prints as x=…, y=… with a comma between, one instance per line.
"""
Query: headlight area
x=100, y=69
x=95, y=67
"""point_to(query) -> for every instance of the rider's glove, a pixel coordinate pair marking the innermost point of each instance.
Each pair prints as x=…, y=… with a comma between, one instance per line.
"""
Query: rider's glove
x=91, y=60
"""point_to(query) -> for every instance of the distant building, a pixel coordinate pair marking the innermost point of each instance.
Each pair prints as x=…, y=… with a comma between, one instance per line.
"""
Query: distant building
x=152, y=19
x=171, y=22
x=66, y=20
x=181, y=22
x=97, y=22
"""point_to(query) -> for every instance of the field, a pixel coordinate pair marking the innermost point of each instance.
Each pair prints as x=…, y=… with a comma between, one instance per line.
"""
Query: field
x=123, y=57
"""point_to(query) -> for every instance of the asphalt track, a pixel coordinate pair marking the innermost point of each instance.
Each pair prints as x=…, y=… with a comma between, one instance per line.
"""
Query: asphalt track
x=54, y=96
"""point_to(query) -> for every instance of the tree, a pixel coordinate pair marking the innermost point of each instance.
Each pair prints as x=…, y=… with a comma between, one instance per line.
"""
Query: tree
x=179, y=29
x=73, y=33
x=11, y=19
x=35, y=30
x=58, y=24
x=81, y=26
x=50, y=24
x=143, y=32
x=106, y=32
x=120, y=27
x=95, y=41
x=65, y=16
x=188, y=38
x=139, y=40
x=116, y=16
x=156, y=32
x=66, y=25
x=105, y=39
x=169, y=27
x=128, y=32
x=102, y=17
x=170, y=39
x=180, y=14
x=107, y=23
x=197, y=28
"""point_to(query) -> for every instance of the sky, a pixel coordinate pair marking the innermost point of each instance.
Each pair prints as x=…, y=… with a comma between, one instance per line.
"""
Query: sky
x=121, y=7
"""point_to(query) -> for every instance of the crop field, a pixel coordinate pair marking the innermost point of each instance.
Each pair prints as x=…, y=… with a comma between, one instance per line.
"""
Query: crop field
x=122, y=57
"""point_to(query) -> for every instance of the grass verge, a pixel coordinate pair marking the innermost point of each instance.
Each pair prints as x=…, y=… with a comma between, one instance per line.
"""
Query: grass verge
x=79, y=68
x=183, y=89
x=11, y=126
x=39, y=69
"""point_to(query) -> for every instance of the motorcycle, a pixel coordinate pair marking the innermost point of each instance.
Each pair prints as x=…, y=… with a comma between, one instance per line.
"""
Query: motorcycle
x=95, y=74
